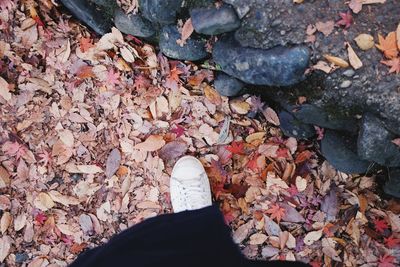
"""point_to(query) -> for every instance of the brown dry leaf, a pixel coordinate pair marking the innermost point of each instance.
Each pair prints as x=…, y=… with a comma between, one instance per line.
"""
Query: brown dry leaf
x=369, y=2
x=88, y=169
x=173, y=150
x=242, y=232
x=298, y=1
x=337, y=61
x=65, y=200
x=271, y=116
x=356, y=5
x=4, y=89
x=311, y=237
x=5, y=222
x=354, y=60
x=212, y=95
x=152, y=143
x=4, y=177
x=255, y=136
x=19, y=222
x=388, y=45
x=365, y=41
x=240, y=107
x=5, y=246
x=325, y=27
x=113, y=162
x=43, y=201
x=301, y=183
x=322, y=65
x=257, y=239
x=396, y=141
x=398, y=36
x=187, y=30
x=127, y=55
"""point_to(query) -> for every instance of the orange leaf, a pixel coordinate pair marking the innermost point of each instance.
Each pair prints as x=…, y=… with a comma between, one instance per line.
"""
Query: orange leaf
x=394, y=65
x=85, y=44
x=277, y=212
x=212, y=95
x=85, y=72
x=388, y=45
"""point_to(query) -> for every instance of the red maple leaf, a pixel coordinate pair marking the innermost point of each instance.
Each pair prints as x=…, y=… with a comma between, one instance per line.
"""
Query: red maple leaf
x=394, y=65
x=386, y=261
x=40, y=218
x=85, y=44
x=174, y=73
x=380, y=225
x=45, y=157
x=67, y=239
x=236, y=148
x=392, y=242
x=178, y=130
x=346, y=21
x=252, y=164
x=277, y=212
x=282, y=153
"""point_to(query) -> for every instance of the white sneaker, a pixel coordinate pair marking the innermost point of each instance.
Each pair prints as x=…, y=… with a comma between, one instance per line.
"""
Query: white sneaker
x=189, y=186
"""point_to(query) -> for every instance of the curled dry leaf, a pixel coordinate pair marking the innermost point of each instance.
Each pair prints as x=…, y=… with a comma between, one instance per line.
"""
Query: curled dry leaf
x=212, y=95
x=271, y=116
x=311, y=237
x=65, y=200
x=325, y=27
x=337, y=61
x=354, y=60
x=5, y=222
x=255, y=136
x=240, y=107
x=127, y=55
x=365, y=41
x=152, y=143
x=322, y=65
x=356, y=5
x=4, y=177
x=187, y=30
x=43, y=202
x=19, y=222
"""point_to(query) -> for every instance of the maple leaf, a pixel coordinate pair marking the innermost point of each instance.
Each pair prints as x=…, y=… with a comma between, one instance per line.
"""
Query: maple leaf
x=380, y=225
x=277, y=212
x=45, y=157
x=292, y=190
x=394, y=65
x=252, y=164
x=178, y=130
x=67, y=240
x=392, y=242
x=216, y=172
x=236, y=148
x=85, y=44
x=346, y=21
x=386, y=261
x=388, y=45
x=14, y=149
x=40, y=218
x=112, y=78
x=282, y=153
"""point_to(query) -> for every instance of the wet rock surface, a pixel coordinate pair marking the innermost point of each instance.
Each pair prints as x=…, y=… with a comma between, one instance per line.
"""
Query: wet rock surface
x=392, y=186
x=133, y=24
x=341, y=152
x=160, y=11
x=295, y=128
x=227, y=85
x=375, y=142
x=212, y=21
x=193, y=50
x=279, y=66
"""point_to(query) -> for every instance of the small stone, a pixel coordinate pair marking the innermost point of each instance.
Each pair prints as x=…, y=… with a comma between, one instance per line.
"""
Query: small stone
x=392, y=186
x=160, y=11
x=345, y=84
x=133, y=24
x=227, y=85
x=375, y=142
x=21, y=257
x=193, y=50
x=88, y=13
x=292, y=127
x=340, y=151
x=349, y=73
x=241, y=7
x=76, y=177
x=279, y=66
x=213, y=21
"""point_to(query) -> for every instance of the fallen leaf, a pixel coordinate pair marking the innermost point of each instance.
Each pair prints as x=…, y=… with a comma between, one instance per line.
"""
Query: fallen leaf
x=291, y=214
x=152, y=143
x=4, y=89
x=212, y=95
x=380, y=225
x=325, y=27
x=388, y=45
x=398, y=36
x=394, y=65
x=5, y=222
x=257, y=239
x=301, y=183
x=365, y=41
x=173, y=150
x=386, y=261
x=236, y=148
x=259, y=136
x=88, y=169
x=271, y=116
x=346, y=19
x=354, y=60
x=187, y=30
x=322, y=65
x=127, y=55
x=19, y=222
x=277, y=212
x=329, y=204
x=240, y=107
x=65, y=200
x=4, y=177
x=356, y=6
x=113, y=162
x=242, y=232
x=43, y=202
x=337, y=61
x=311, y=237
x=5, y=246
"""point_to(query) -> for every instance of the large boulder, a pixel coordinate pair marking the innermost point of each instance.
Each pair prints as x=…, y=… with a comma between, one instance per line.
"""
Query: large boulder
x=227, y=85
x=392, y=186
x=162, y=12
x=133, y=24
x=279, y=66
x=193, y=50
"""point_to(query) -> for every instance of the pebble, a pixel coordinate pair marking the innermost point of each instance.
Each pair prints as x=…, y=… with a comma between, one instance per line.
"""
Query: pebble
x=345, y=84
x=349, y=73
x=227, y=85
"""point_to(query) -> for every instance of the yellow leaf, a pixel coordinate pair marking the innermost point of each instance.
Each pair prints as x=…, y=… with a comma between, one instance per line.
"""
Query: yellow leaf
x=240, y=107
x=337, y=61
x=43, y=202
x=4, y=90
x=255, y=136
x=355, y=61
x=212, y=95
x=365, y=41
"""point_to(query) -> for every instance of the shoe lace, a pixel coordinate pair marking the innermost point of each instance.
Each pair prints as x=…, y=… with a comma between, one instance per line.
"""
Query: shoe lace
x=192, y=192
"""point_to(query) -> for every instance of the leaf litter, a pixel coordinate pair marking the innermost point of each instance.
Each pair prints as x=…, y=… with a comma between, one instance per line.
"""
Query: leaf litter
x=102, y=121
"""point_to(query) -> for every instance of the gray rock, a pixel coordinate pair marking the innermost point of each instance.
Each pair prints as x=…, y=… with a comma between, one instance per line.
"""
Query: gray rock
x=88, y=13
x=241, y=7
x=340, y=151
x=133, y=24
x=293, y=127
x=193, y=49
x=345, y=84
x=227, y=85
x=375, y=142
x=191, y=4
x=314, y=115
x=21, y=257
x=160, y=11
x=278, y=66
x=213, y=21
x=392, y=186
x=349, y=73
